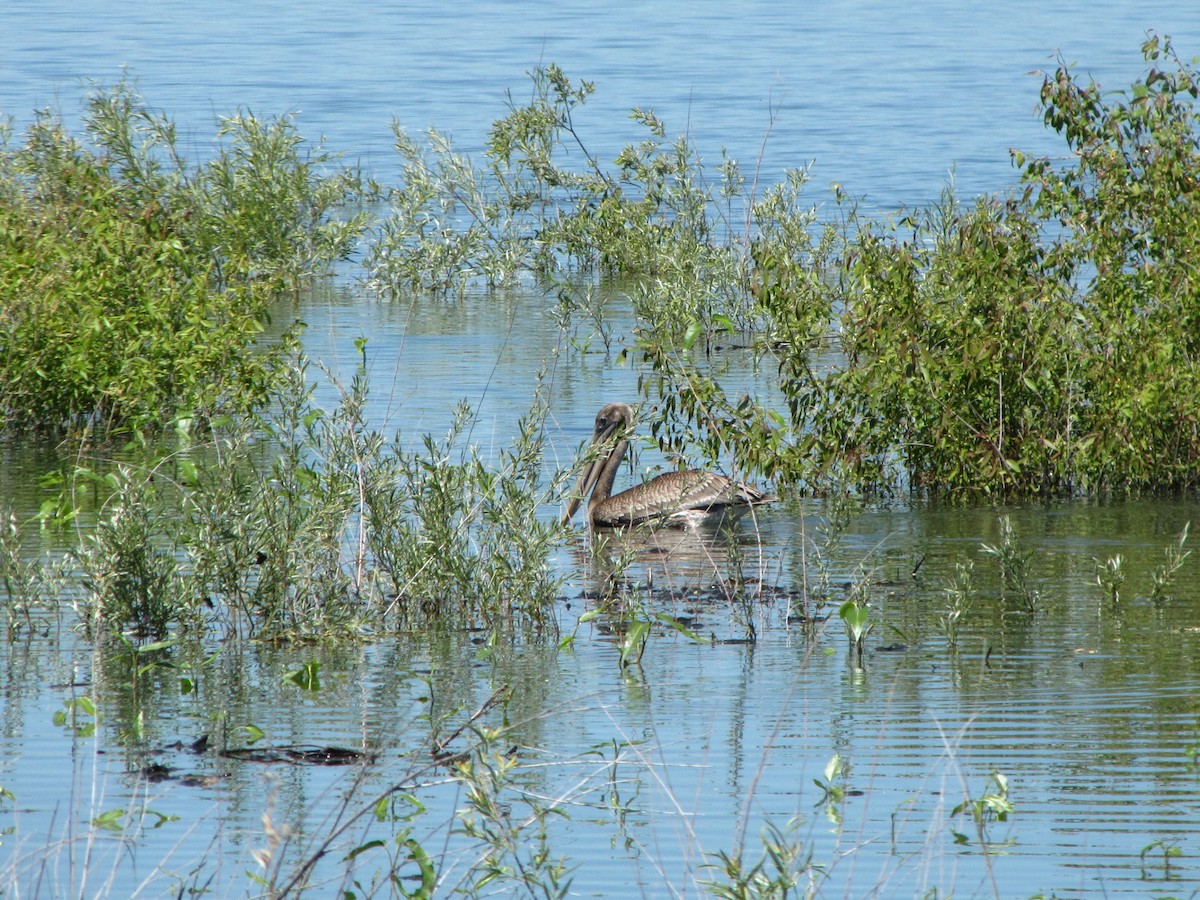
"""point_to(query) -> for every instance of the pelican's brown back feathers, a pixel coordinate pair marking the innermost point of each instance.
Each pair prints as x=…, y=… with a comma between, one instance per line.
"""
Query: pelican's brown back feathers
x=681, y=498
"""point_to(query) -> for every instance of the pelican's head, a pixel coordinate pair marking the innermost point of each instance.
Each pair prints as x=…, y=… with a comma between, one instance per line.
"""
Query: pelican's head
x=614, y=418
x=612, y=425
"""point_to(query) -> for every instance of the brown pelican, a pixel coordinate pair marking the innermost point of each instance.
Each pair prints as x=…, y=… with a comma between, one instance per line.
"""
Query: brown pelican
x=688, y=499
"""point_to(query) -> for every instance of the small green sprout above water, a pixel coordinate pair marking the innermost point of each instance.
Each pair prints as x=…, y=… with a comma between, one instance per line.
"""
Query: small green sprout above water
x=1163, y=576
x=121, y=820
x=833, y=792
x=1168, y=851
x=627, y=615
x=160, y=819
x=834, y=769
x=189, y=679
x=1014, y=566
x=855, y=613
x=994, y=805
x=1110, y=575
x=72, y=713
x=306, y=677
x=143, y=659
x=632, y=624
x=958, y=595
x=112, y=820
x=398, y=807
x=252, y=732
x=633, y=642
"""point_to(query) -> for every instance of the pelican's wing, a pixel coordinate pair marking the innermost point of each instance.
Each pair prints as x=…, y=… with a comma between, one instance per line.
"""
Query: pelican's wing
x=688, y=495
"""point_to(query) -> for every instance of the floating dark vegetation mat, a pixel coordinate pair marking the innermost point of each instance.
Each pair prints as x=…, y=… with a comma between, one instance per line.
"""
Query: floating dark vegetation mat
x=158, y=773
x=199, y=745
x=300, y=755
x=292, y=754
x=715, y=594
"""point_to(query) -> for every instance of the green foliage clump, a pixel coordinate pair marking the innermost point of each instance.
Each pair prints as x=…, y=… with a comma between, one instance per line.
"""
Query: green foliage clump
x=325, y=530
x=959, y=356
x=1045, y=344
x=130, y=578
x=1039, y=344
x=452, y=222
x=1129, y=210
x=134, y=287
x=542, y=203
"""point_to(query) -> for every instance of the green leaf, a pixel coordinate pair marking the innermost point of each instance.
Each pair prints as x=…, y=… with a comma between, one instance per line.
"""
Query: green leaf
x=672, y=622
x=160, y=819
x=306, y=677
x=855, y=615
x=723, y=323
x=417, y=854
x=111, y=820
x=363, y=848
x=833, y=768
x=634, y=642
x=188, y=472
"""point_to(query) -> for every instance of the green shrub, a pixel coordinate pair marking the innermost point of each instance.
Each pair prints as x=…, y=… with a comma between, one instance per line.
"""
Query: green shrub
x=1039, y=344
x=134, y=288
x=303, y=524
x=541, y=203
x=1129, y=214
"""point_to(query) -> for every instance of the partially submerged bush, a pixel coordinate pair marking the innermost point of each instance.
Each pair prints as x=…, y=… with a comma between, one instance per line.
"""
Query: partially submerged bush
x=532, y=207
x=1041, y=343
x=133, y=287
x=327, y=529
x=1037, y=345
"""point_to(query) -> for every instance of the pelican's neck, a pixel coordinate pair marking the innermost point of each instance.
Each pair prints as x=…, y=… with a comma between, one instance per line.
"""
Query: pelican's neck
x=608, y=474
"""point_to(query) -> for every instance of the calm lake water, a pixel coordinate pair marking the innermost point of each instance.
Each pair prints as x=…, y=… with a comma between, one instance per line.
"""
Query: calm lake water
x=1089, y=711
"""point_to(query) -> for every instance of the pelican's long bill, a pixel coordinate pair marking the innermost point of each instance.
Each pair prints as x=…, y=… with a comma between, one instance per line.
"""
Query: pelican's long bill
x=611, y=420
x=688, y=499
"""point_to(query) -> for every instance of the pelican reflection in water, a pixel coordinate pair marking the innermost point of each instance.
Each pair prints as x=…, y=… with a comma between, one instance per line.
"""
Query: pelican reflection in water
x=687, y=499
